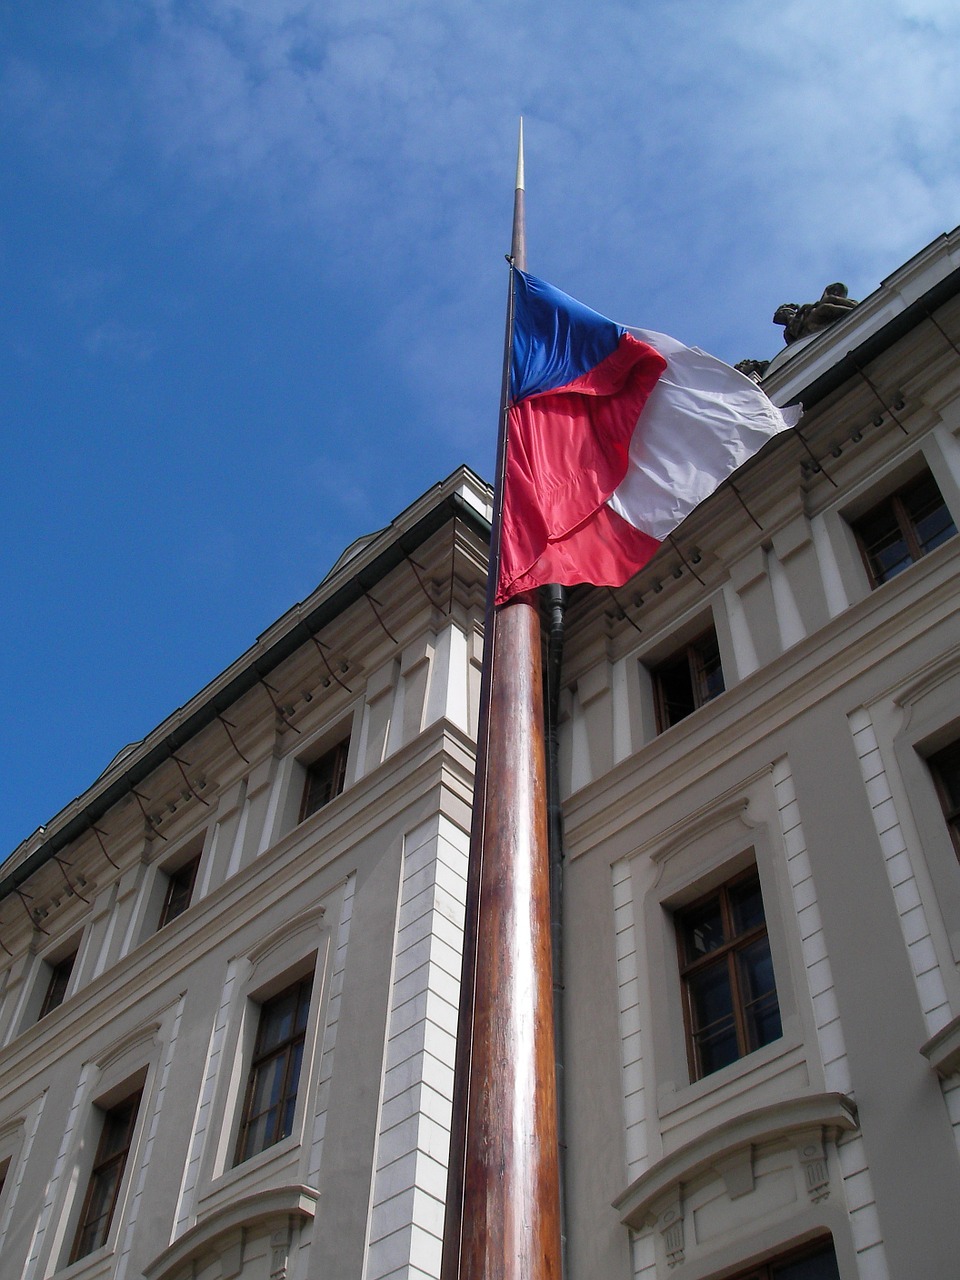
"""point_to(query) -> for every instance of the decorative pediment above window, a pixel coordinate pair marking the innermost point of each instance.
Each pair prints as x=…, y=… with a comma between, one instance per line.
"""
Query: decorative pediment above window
x=222, y=1233
x=806, y=1123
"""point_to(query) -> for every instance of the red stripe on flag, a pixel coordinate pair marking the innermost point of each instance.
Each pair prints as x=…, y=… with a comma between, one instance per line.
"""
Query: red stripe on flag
x=612, y=548
x=567, y=450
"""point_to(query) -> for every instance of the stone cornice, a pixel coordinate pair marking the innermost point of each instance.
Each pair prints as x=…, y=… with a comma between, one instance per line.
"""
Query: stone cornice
x=275, y=1206
x=830, y=1113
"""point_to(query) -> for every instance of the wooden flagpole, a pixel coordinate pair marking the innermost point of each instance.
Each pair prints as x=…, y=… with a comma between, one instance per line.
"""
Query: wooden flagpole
x=503, y=1189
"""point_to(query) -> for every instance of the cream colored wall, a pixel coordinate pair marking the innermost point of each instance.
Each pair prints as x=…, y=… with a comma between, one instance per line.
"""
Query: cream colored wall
x=811, y=764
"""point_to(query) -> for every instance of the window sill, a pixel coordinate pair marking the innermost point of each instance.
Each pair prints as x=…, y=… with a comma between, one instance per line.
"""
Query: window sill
x=673, y=1098
x=279, y=1153
x=93, y=1265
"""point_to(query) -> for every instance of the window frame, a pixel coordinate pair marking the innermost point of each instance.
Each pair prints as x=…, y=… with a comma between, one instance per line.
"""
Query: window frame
x=55, y=993
x=262, y=1056
x=105, y=1164
x=191, y=867
x=723, y=956
x=336, y=757
x=951, y=811
x=692, y=654
x=812, y=1249
x=904, y=522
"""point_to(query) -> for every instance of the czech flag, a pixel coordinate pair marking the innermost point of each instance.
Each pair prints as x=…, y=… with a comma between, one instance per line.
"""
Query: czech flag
x=614, y=436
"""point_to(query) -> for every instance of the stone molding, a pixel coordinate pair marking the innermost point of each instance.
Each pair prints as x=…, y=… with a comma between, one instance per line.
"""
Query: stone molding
x=222, y=1231
x=942, y=1051
x=804, y=1121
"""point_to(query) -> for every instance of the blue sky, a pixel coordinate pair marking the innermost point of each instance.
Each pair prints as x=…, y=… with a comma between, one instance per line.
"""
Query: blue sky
x=251, y=255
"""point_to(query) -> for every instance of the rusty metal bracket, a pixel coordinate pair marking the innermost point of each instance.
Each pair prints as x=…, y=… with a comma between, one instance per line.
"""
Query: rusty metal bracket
x=739, y=497
x=373, y=605
x=100, y=834
x=227, y=726
x=276, y=705
x=152, y=823
x=622, y=613
x=193, y=791
x=883, y=403
x=676, y=546
x=326, y=660
x=72, y=887
x=30, y=916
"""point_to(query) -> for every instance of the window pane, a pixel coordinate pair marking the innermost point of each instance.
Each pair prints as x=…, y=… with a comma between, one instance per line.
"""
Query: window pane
x=746, y=906
x=908, y=524
x=105, y=1178
x=268, y=1084
x=325, y=778
x=57, y=986
x=102, y=1195
x=885, y=544
x=257, y=1136
x=817, y=1266
x=709, y=670
x=928, y=513
x=277, y=1020
x=716, y=1050
x=676, y=692
x=275, y=1072
x=711, y=1002
x=727, y=973
x=946, y=765
x=179, y=891
x=761, y=1010
x=702, y=929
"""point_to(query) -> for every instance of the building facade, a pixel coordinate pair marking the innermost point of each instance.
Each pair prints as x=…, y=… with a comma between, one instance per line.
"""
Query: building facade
x=762, y=887
x=229, y=970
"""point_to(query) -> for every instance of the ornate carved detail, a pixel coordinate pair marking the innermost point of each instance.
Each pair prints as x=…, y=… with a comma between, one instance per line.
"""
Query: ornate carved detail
x=279, y=1253
x=671, y=1230
x=752, y=369
x=799, y=321
x=816, y=1171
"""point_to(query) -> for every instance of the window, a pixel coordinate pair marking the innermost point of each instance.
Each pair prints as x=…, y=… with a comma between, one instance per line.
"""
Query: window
x=324, y=779
x=818, y=1264
x=690, y=679
x=275, y=1071
x=946, y=772
x=179, y=891
x=105, y=1177
x=55, y=994
x=727, y=976
x=903, y=527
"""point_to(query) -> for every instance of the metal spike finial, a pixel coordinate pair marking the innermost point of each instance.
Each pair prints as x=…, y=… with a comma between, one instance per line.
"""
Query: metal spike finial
x=519, y=186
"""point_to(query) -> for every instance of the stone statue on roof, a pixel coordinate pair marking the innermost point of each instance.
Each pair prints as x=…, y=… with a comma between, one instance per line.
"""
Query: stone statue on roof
x=799, y=321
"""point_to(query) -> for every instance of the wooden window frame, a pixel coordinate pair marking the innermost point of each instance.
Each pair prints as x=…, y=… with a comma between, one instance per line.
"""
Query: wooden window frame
x=895, y=506
x=263, y=1057
x=109, y=1162
x=766, y=1270
x=334, y=759
x=693, y=653
x=58, y=984
x=724, y=955
x=182, y=880
x=949, y=755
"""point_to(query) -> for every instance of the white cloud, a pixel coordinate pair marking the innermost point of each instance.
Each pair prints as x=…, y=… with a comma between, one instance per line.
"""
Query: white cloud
x=681, y=158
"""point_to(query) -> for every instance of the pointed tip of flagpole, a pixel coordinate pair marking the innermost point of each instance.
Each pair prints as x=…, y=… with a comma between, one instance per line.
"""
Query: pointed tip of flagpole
x=519, y=186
